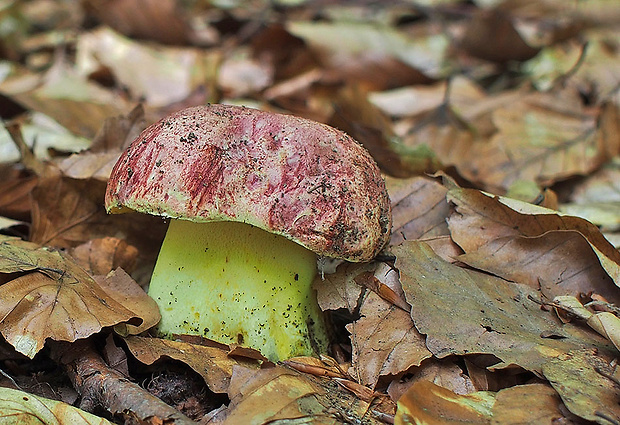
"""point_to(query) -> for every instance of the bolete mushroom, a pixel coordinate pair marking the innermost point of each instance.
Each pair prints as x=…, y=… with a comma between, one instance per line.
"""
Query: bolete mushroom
x=254, y=197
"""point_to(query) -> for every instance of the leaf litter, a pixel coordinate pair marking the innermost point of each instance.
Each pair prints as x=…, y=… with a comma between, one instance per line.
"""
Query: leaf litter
x=482, y=303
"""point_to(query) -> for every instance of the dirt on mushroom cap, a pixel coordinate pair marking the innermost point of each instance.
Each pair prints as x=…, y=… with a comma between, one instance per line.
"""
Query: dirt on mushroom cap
x=298, y=178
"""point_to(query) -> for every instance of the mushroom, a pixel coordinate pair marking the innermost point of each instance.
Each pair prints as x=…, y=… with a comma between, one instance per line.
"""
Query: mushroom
x=254, y=198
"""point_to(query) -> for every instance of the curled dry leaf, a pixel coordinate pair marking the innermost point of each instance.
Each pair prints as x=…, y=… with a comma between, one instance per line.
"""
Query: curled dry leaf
x=559, y=254
x=121, y=287
x=605, y=323
x=428, y=403
x=445, y=373
x=213, y=364
x=384, y=340
x=280, y=393
x=49, y=296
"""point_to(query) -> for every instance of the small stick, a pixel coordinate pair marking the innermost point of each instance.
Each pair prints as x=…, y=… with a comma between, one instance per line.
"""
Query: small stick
x=100, y=385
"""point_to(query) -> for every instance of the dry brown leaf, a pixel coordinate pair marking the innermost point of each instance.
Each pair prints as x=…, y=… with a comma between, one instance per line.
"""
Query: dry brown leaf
x=159, y=20
x=561, y=255
x=49, y=296
x=543, y=138
x=213, y=364
x=491, y=35
x=419, y=208
x=543, y=405
x=102, y=255
x=578, y=377
x=68, y=212
x=159, y=75
x=377, y=56
x=15, y=188
x=282, y=394
x=120, y=286
x=76, y=103
x=445, y=373
x=113, y=137
x=431, y=404
x=339, y=290
x=384, y=340
x=466, y=312
x=605, y=323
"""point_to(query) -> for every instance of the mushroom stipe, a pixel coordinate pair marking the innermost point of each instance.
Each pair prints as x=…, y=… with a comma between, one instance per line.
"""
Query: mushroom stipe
x=278, y=314
x=254, y=196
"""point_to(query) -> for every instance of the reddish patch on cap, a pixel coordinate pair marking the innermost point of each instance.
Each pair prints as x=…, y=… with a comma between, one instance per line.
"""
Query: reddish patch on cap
x=301, y=179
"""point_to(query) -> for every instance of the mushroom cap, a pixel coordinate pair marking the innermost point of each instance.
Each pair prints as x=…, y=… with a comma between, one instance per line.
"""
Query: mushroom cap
x=290, y=176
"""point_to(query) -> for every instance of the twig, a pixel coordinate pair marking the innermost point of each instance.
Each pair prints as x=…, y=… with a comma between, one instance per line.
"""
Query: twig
x=100, y=385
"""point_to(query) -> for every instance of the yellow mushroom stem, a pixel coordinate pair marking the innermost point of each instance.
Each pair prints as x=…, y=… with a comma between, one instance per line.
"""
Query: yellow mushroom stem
x=235, y=283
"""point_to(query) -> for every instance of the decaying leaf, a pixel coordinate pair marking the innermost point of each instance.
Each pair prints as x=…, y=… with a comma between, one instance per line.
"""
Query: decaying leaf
x=579, y=377
x=121, y=287
x=282, y=394
x=419, y=208
x=559, y=254
x=384, y=341
x=18, y=407
x=465, y=312
x=213, y=364
x=543, y=139
x=427, y=403
x=339, y=290
x=49, y=296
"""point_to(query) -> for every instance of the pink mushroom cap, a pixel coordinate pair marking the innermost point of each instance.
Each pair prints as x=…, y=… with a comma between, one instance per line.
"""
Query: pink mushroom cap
x=306, y=181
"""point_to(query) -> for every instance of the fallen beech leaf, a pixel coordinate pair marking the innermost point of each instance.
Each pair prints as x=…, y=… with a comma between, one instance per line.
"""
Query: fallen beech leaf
x=160, y=76
x=339, y=290
x=213, y=364
x=445, y=373
x=102, y=255
x=559, y=254
x=384, y=341
x=120, y=286
x=282, y=394
x=28, y=409
x=543, y=405
x=577, y=377
x=597, y=199
x=427, y=403
x=370, y=281
x=542, y=138
x=159, y=20
x=486, y=314
x=77, y=104
x=491, y=35
x=15, y=188
x=52, y=297
x=419, y=208
x=605, y=323
x=67, y=213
